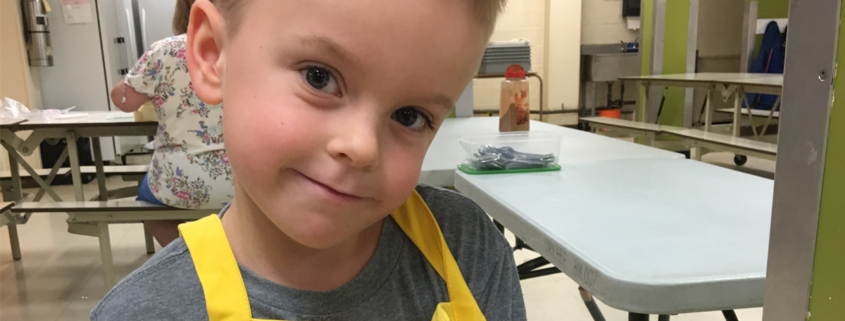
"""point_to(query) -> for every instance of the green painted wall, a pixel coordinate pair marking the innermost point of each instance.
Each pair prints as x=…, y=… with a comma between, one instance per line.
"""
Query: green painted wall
x=827, y=296
x=646, y=16
x=674, y=55
x=675, y=59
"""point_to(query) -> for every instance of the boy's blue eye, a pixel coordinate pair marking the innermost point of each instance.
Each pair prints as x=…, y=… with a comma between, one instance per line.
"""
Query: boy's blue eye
x=321, y=79
x=410, y=117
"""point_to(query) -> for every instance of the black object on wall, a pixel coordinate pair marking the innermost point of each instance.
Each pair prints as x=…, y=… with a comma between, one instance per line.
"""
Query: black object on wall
x=631, y=8
x=50, y=154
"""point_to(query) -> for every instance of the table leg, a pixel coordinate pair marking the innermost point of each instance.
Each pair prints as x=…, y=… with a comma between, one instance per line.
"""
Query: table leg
x=737, y=111
x=74, y=167
x=592, y=307
x=775, y=107
x=663, y=317
x=13, y=237
x=696, y=153
x=53, y=172
x=148, y=238
x=105, y=254
x=17, y=193
x=637, y=317
x=499, y=226
x=650, y=138
x=644, y=107
x=708, y=111
x=750, y=115
x=98, y=163
x=730, y=315
x=19, y=160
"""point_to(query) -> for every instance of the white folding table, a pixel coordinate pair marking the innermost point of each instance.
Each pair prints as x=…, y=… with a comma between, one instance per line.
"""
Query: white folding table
x=445, y=153
x=727, y=84
x=89, y=124
x=655, y=236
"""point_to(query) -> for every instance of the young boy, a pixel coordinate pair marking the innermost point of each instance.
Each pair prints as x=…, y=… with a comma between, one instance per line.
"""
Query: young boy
x=330, y=108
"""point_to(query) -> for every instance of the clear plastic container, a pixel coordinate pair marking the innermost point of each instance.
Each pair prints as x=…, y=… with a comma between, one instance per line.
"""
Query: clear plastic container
x=514, y=112
x=514, y=152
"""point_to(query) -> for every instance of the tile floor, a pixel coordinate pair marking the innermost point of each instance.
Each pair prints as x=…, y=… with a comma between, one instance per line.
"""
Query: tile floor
x=59, y=277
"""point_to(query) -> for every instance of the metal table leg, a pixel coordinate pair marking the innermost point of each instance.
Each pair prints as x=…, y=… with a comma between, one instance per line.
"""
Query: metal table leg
x=737, y=111
x=98, y=164
x=53, y=172
x=106, y=255
x=663, y=317
x=16, y=192
x=13, y=236
x=74, y=167
x=595, y=312
x=637, y=317
x=148, y=238
x=730, y=315
x=499, y=227
x=775, y=107
x=16, y=159
x=644, y=107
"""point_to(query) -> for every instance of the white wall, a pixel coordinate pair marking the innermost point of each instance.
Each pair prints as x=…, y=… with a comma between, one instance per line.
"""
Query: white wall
x=720, y=28
x=520, y=19
x=564, y=53
x=602, y=23
x=555, y=50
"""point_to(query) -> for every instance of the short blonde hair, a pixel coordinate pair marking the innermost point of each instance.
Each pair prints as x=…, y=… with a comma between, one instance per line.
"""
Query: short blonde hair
x=486, y=11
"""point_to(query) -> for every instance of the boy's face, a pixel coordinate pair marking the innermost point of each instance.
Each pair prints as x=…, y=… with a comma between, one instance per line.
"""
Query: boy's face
x=330, y=106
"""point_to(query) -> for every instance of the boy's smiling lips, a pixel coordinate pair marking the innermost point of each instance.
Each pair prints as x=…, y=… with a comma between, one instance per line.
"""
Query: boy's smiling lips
x=330, y=191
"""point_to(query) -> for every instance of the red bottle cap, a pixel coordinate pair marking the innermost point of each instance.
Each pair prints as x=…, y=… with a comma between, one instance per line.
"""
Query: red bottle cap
x=515, y=71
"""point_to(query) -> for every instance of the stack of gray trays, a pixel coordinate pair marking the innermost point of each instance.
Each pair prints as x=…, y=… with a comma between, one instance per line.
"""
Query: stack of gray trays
x=501, y=54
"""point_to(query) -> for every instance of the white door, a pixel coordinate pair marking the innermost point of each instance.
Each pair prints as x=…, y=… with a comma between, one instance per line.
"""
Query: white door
x=156, y=20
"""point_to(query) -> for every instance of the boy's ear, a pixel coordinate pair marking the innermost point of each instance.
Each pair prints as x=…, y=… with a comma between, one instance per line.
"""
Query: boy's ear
x=206, y=32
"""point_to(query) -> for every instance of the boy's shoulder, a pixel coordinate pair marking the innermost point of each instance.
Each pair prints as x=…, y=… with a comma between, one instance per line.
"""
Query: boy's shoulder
x=453, y=210
x=165, y=288
x=467, y=229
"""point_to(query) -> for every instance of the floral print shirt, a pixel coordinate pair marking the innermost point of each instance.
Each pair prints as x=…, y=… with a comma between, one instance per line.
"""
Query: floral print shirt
x=189, y=168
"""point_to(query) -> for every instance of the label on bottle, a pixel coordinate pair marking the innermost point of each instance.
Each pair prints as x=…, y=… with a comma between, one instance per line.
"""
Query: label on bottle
x=517, y=114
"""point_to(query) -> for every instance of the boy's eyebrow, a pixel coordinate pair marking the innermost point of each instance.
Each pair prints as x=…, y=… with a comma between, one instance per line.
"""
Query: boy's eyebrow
x=326, y=43
x=439, y=99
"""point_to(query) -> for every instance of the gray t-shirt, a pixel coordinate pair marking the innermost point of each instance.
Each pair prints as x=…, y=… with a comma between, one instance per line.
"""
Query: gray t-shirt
x=397, y=284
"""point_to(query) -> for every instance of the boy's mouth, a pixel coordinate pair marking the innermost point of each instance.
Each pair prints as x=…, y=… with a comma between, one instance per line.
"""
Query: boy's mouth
x=329, y=190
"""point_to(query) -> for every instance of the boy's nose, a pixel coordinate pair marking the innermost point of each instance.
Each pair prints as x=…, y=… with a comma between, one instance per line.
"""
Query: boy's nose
x=356, y=145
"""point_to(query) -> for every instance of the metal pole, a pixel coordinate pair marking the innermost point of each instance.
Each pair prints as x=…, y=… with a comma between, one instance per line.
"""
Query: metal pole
x=78, y=192
x=13, y=237
x=801, y=249
x=737, y=110
x=637, y=317
x=708, y=110
x=98, y=164
x=106, y=254
x=592, y=307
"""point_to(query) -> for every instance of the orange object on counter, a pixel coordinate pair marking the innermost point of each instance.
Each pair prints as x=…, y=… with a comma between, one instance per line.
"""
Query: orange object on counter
x=611, y=113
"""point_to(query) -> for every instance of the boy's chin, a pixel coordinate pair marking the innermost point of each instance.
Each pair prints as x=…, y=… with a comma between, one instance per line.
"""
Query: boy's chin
x=321, y=236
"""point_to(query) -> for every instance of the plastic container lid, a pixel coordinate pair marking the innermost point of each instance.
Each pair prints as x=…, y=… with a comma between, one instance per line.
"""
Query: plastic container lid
x=515, y=71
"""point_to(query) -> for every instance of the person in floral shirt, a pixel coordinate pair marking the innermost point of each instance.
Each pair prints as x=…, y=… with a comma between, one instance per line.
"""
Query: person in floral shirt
x=189, y=168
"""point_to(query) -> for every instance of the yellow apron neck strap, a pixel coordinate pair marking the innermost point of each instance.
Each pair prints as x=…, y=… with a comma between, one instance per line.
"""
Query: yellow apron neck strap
x=226, y=297
x=225, y=294
x=415, y=219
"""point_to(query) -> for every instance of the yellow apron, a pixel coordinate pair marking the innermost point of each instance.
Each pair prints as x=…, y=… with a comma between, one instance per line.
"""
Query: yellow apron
x=226, y=297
